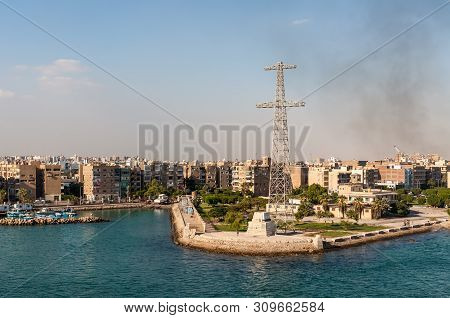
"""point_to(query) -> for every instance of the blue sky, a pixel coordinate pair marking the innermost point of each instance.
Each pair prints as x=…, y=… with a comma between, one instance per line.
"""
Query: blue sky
x=203, y=61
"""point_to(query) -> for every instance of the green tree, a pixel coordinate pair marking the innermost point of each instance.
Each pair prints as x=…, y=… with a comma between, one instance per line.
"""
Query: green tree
x=236, y=224
x=260, y=203
x=315, y=192
x=154, y=189
x=305, y=209
x=402, y=208
x=421, y=200
x=352, y=214
x=435, y=201
x=23, y=195
x=218, y=212
x=2, y=195
x=231, y=216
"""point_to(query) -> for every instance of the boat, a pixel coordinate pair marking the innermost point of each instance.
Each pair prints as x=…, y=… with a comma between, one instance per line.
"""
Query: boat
x=13, y=214
x=19, y=214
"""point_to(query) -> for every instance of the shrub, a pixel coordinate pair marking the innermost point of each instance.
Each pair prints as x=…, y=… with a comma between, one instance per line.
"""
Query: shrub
x=421, y=200
x=352, y=214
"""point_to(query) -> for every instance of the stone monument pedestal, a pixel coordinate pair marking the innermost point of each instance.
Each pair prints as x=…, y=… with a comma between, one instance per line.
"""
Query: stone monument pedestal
x=261, y=225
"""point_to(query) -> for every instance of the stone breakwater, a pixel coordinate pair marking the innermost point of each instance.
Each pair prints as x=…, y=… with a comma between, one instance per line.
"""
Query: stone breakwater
x=49, y=221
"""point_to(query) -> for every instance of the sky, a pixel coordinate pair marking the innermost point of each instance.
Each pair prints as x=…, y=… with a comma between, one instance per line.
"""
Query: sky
x=202, y=61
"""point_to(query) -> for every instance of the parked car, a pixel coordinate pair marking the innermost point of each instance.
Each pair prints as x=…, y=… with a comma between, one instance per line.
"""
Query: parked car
x=162, y=199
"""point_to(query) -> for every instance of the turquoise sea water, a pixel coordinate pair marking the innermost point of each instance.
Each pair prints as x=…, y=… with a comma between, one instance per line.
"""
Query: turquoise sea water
x=135, y=257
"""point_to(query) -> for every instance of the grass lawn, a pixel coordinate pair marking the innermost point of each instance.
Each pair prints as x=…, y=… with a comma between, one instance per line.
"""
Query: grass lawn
x=227, y=227
x=344, y=226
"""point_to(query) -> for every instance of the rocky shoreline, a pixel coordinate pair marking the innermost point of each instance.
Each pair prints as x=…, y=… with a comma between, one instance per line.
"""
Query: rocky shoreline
x=50, y=221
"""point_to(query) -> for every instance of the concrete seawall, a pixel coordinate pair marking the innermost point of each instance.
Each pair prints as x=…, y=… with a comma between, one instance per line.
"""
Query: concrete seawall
x=369, y=237
x=243, y=244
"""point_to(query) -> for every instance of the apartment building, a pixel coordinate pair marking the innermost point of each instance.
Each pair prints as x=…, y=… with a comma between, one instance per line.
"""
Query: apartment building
x=224, y=174
x=196, y=171
x=366, y=176
x=135, y=179
x=175, y=175
x=318, y=175
x=299, y=175
x=48, y=181
x=19, y=176
x=337, y=177
x=169, y=174
x=251, y=175
x=101, y=182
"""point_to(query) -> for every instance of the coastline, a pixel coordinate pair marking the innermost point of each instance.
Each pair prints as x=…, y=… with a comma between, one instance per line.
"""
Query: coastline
x=280, y=245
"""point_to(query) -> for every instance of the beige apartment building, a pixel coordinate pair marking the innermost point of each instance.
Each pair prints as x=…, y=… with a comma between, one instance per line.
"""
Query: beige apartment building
x=41, y=181
x=101, y=182
x=19, y=176
x=252, y=175
x=318, y=175
x=337, y=177
x=299, y=175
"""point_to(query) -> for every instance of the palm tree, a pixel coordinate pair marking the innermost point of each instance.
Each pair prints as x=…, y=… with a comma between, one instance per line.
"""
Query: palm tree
x=2, y=196
x=342, y=204
x=378, y=207
x=358, y=205
x=324, y=203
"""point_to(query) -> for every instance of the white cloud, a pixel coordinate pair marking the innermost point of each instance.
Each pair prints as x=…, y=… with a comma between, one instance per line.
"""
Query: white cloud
x=21, y=67
x=6, y=94
x=64, y=84
x=63, y=76
x=61, y=66
x=300, y=21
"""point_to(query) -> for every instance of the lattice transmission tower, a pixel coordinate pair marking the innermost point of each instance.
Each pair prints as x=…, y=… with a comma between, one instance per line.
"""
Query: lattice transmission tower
x=280, y=180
